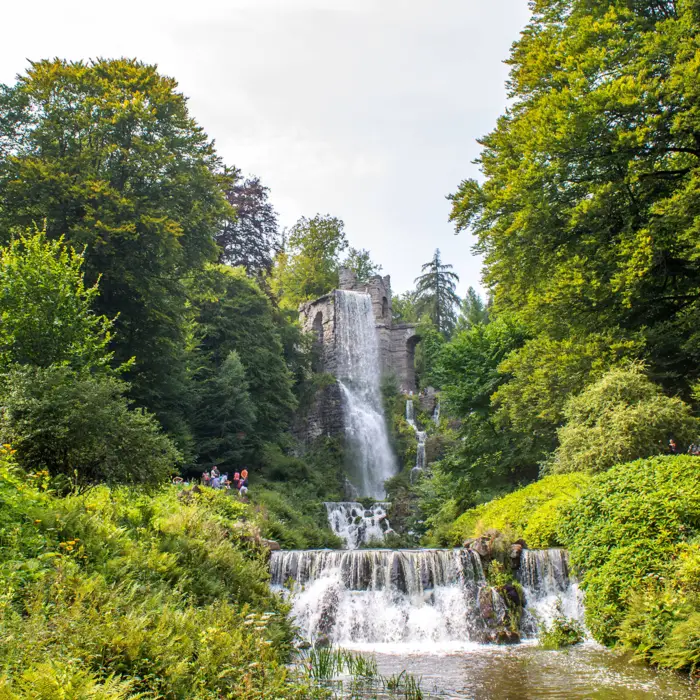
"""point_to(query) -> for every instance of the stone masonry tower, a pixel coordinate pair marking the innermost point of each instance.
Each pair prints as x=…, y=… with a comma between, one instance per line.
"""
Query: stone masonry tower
x=397, y=342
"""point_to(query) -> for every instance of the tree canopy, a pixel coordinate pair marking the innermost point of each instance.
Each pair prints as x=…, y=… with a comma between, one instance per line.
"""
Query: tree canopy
x=107, y=154
x=309, y=264
x=46, y=310
x=588, y=212
x=251, y=237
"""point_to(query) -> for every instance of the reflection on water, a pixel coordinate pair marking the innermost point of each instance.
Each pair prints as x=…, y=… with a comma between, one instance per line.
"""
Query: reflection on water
x=525, y=672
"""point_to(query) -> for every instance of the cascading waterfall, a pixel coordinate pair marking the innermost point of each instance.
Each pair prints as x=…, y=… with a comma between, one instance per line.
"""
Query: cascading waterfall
x=436, y=413
x=412, y=596
x=547, y=582
x=420, y=437
x=357, y=525
x=359, y=378
x=383, y=596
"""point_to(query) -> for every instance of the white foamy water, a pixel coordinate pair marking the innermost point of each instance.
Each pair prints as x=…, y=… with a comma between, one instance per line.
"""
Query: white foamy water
x=358, y=374
x=357, y=525
x=429, y=600
x=547, y=582
x=420, y=437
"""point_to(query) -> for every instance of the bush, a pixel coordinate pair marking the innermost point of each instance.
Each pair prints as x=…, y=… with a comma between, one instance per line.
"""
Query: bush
x=81, y=426
x=622, y=417
x=632, y=536
x=532, y=513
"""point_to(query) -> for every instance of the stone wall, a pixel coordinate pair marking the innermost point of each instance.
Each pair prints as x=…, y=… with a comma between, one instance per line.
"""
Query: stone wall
x=396, y=342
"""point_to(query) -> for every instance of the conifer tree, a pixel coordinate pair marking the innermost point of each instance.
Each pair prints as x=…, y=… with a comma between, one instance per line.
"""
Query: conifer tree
x=436, y=293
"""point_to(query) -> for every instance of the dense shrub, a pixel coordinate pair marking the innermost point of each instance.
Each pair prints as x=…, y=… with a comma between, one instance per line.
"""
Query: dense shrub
x=623, y=416
x=633, y=537
x=533, y=512
x=82, y=427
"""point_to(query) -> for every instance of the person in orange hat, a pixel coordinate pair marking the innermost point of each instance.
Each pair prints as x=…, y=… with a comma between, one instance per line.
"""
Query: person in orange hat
x=243, y=487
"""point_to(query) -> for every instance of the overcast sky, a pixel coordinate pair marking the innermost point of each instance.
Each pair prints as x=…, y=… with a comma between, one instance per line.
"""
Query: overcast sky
x=368, y=110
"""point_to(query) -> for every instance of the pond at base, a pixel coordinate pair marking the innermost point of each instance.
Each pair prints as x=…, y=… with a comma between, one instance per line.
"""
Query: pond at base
x=526, y=672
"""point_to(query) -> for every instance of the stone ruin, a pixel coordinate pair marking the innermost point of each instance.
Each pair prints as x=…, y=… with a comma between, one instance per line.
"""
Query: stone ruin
x=397, y=344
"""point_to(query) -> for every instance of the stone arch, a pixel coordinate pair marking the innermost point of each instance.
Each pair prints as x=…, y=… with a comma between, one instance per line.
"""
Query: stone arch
x=385, y=309
x=411, y=343
x=317, y=331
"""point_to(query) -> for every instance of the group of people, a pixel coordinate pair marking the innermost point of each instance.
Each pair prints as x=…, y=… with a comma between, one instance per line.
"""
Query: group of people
x=693, y=448
x=216, y=480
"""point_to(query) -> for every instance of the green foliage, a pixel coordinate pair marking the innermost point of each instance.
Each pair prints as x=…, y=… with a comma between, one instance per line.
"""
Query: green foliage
x=233, y=314
x=485, y=457
x=81, y=427
x=116, y=593
x=107, y=154
x=292, y=491
x=225, y=413
x=435, y=293
x=472, y=311
x=532, y=513
x=309, y=265
x=631, y=534
x=623, y=416
x=544, y=374
x=561, y=633
x=46, y=314
x=404, y=308
x=468, y=366
x=360, y=262
x=588, y=213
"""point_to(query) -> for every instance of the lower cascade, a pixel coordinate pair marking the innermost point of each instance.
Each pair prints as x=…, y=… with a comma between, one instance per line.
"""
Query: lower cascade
x=412, y=596
x=357, y=525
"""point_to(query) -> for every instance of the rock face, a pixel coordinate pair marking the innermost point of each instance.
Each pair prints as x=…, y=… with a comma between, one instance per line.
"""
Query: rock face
x=397, y=344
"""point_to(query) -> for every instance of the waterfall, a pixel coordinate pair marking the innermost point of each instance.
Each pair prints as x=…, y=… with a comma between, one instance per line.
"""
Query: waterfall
x=436, y=413
x=382, y=596
x=357, y=525
x=359, y=378
x=416, y=597
x=420, y=437
x=546, y=580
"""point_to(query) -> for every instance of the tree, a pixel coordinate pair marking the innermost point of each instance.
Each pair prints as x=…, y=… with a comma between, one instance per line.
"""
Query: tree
x=107, y=153
x=251, y=237
x=472, y=311
x=435, y=290
x=588, y=212
x=233, y=314
x=81, y=427
x=359, y=261
x=225, y=414
x=46, y=311
x=545, y=373
x=404, y=308
x=309, y=265
x=622, y=417
x=468, y=365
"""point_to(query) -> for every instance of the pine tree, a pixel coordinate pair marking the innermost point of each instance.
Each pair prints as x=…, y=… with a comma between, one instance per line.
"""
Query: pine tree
x=436, y=293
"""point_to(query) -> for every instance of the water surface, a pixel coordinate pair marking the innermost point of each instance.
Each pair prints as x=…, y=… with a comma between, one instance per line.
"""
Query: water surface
x=526, y=672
